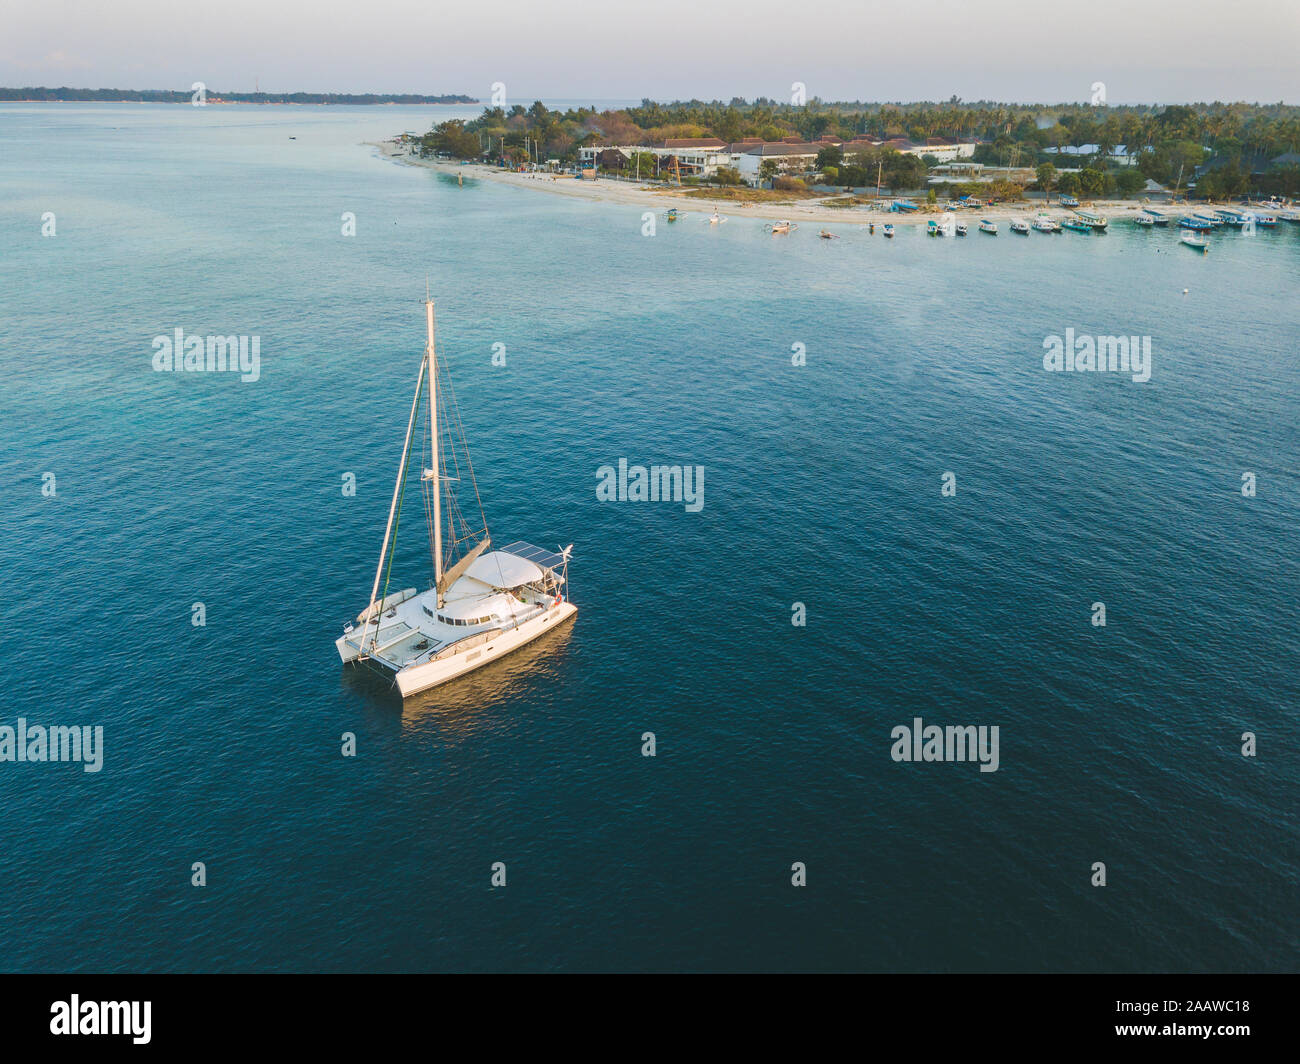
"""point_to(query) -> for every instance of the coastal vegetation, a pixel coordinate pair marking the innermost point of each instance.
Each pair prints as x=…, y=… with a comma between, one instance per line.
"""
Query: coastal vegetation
x=1217, y=148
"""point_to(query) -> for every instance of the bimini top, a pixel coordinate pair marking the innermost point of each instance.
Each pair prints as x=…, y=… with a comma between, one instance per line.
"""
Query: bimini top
x=502, y=569
x=547, y=559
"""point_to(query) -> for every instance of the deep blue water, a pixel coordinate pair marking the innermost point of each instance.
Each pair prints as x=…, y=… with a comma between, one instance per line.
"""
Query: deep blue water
x=822, y=486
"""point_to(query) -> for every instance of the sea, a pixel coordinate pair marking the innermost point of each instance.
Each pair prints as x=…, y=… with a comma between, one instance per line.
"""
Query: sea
x=906, y=521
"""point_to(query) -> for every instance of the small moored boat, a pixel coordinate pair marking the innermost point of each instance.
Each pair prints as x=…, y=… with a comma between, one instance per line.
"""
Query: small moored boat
x=1020, y=226
x=988, y=227
x=1196, y=243
x=889, y=229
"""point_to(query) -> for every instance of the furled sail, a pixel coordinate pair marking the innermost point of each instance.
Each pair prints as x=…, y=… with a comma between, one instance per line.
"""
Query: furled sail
x=458, y=570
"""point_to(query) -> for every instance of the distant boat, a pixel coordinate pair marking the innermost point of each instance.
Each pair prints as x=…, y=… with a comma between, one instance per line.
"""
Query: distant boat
x=1266, y=221
x=1189, y=222
x=1069, y=201
x=1156, y=217
x=889, y=229
x=903, y=205
x=1213, y=219
x=1044, y=224
x=932, y=228
x=1144, y=221
x=1232, y=218
x=1092, y=220
x=826, y=234
x=988, y=227
x=961, y=228
x=715, y=219
x=1020, y=226
x=672, y=214
x=1197, y=243
x=782, y=227
x=1076, y=226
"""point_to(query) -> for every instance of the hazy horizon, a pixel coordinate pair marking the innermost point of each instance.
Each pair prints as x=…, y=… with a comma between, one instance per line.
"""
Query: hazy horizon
x=579, y=50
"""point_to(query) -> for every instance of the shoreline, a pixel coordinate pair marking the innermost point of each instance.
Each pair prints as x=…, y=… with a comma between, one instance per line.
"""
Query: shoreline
x=812, y=210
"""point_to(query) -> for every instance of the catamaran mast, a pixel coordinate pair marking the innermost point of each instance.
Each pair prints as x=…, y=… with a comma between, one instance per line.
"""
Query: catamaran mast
x=430, y=357
x=397, y=494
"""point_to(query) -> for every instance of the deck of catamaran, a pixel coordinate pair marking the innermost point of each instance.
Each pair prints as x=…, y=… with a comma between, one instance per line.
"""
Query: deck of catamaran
x=500, y=591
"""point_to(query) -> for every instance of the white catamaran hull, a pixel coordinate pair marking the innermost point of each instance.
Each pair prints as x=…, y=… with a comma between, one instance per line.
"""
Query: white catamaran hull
x=415, y=678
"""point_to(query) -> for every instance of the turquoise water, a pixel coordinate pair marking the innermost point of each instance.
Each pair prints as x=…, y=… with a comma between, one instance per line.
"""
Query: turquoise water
x=822, y=486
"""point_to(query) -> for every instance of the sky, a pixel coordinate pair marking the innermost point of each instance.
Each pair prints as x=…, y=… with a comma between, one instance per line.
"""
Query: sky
x=1141, y=51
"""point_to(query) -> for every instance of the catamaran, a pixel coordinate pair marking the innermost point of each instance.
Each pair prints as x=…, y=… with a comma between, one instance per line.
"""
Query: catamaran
x=482, y=603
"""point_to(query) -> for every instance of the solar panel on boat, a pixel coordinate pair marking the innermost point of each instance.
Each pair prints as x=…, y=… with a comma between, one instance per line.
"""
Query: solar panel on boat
x=547, y=559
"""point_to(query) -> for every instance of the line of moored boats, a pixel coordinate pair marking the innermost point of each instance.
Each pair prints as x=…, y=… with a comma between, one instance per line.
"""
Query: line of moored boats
x=1081, y=220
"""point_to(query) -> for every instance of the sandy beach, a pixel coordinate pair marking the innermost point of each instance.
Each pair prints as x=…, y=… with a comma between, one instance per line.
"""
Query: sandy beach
x=813, y=211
